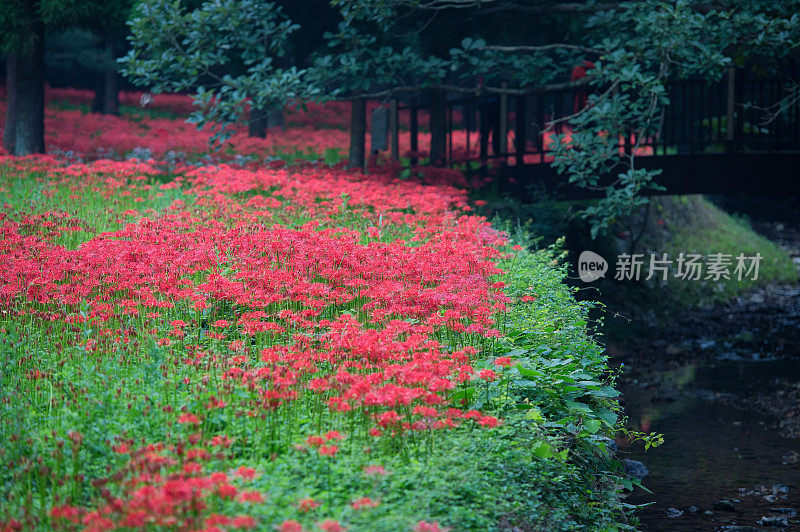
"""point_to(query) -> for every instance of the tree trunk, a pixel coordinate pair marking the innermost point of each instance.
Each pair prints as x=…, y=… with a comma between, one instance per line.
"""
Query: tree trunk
x=29, y=136
x=10, y=126
x=99, y=102
x=276, y=118
x=358, y=133
x=106, y=92
x=438, y=127
x=111, y=91
x=257, y=123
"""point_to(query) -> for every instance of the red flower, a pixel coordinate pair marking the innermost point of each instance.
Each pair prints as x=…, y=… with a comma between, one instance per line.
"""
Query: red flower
x=243, y=521
x=227, y=491
x=330, y=525
x=290, y=525
x=487, y=375
x=315, y=440
x=328, y=450
x=251, y=496
x=489, y=421
x=375, y=470
x=188, y=418
x=333, y=435
x=425, y=526
x=502, y=361
x=247, y=473
x=363, y=502
x=306, y=505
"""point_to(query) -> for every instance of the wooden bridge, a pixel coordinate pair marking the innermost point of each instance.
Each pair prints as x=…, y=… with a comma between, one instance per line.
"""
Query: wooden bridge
x=712, y=139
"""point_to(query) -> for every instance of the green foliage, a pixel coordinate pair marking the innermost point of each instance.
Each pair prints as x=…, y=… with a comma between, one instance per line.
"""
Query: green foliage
x=362, y=62
x=647, y=44
x=17, y=17
x=224, y=51
x=636, y=48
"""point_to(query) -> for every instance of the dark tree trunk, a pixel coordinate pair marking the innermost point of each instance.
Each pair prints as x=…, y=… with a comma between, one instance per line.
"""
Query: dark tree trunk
x=438, y=127
x=10, y=126
x=358, y=133
x=257, y=123
x=111, y=91
x=29, y=136
x=99, y=102
x=111, y=81
x=106, y=93
x=276, y=118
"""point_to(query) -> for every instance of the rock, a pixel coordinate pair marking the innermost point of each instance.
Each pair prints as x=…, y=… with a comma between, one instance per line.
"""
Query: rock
x=757, y=299
x=791, y=512
x=791, y=457
x=774, y=520
x=771, y=498
x=780, y=488
x=708, y=512
x=635, y=469
x=723, y=506
x=694, y=509
x=672, y=513
x=706, y=343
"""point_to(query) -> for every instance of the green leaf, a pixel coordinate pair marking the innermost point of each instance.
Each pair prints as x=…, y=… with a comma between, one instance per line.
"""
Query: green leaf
x=591, y=426
x=542, y=450
x=606, y=416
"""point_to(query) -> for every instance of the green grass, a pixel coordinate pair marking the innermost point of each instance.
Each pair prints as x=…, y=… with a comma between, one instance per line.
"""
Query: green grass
x=695, y=225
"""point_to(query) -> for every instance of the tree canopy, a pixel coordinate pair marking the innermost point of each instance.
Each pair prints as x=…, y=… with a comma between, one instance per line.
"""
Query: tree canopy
x=225, y=52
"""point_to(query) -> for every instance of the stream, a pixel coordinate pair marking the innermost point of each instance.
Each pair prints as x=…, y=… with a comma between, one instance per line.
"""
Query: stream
x=723, y=387
x=713, y=451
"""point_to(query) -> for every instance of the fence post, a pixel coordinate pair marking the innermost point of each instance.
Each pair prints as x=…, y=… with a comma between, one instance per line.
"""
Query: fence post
x=521, y=128
x=394, y=130
x=503, y=133
x=730, y=127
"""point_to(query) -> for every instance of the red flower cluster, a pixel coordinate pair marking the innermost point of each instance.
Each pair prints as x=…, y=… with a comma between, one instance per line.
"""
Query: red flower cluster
x=271, y=296
x=163, y=487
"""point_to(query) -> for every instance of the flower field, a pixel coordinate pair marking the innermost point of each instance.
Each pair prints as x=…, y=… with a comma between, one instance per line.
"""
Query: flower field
x=223, y=348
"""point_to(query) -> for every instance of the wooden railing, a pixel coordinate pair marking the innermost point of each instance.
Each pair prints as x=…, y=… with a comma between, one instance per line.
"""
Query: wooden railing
x=728, y=116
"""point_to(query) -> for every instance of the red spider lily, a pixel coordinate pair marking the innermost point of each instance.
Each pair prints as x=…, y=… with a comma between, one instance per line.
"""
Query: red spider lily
x=489, y=421
x=306, y=505
x=290, y=526
x=487, y=375
x=375, y=470
x=328, y=450
x=364, y=502
x=250, y=496
x=503, y=361
x=247, y=473
x=425, y=526
x=330, y=525
x=188, y=419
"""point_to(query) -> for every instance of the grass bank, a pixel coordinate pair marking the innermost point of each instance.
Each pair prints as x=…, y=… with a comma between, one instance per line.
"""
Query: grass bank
x=671, y=225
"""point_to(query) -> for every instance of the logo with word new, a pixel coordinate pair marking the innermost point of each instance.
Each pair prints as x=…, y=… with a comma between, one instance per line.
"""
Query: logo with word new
x=591, y=266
